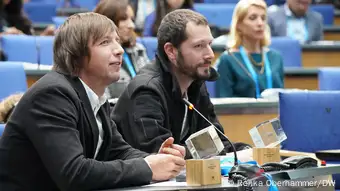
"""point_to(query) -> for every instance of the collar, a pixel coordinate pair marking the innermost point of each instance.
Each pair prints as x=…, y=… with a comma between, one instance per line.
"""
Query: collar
x=95, y=101
x=289, y=12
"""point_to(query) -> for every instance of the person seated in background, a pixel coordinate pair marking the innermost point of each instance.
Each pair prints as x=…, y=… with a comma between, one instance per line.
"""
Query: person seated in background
x=14, y=21
x=60, y=136
x=135, y=57
x=7, y=106
x=296, y=20
x=142, y=9
x=248, y=66
x=151, y=108
x=163, y=7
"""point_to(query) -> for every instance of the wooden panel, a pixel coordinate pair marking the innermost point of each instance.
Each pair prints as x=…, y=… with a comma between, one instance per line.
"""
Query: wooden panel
x=333, y=36
x=320, y=58
x=31, y=80
x=336, y=20
x=302, y=82
x=236, y=126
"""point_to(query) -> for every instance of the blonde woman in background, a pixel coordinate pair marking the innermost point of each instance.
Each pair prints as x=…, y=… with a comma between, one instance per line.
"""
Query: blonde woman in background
x=7, y=105
x=248, y=66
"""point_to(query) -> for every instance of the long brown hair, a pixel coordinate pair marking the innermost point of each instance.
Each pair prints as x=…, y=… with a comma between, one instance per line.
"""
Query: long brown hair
x=116, y=11
x=163, y=8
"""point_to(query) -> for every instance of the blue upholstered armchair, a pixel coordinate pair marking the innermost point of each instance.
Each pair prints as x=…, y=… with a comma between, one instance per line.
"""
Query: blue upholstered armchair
x=310, y=120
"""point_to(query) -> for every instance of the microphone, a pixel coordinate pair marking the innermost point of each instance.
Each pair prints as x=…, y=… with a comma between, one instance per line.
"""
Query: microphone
x=191, y=107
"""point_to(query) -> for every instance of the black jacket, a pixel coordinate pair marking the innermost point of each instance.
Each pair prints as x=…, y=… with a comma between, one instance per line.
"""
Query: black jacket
x=151, y=108
x=50, y=141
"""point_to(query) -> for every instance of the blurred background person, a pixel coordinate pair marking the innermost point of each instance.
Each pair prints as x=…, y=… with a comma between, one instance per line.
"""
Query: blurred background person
x=248, y=67
x=153, y=20
x=296, y=20
x=14, y=21
x=142, y=9
x=7, y=106
x=135, y=57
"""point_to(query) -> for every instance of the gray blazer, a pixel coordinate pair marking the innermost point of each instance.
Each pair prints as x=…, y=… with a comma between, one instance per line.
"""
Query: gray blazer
x=277, y=21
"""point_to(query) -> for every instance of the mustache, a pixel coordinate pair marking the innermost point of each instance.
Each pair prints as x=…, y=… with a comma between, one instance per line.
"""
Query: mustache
x=205, y=63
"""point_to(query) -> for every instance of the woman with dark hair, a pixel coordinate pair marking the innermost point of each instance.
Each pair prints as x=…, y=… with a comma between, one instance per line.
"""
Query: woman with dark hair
x=153, y=20
x=14, y=21
x=135, y=57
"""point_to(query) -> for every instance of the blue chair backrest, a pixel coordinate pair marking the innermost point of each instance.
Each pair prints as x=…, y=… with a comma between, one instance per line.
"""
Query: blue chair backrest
x=39, y=12
x=211, y=87
x=2, y=128
x=21, y=48
x=290, y=50
x=327, y=12
x=88, y=4
x=217, y=15
x=45, y=44
x=329, y=78
x=310, y=120
x=150, y=44
x=12, y=79
x=57, y=21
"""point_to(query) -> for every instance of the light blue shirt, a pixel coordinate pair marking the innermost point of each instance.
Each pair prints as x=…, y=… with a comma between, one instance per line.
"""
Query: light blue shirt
x=296, y=27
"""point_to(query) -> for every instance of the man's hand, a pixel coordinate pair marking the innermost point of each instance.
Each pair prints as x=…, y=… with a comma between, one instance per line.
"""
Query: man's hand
x=173, y=149
x=165, y=166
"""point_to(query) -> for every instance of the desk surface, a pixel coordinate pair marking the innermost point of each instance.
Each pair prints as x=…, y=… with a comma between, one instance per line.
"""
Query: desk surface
x=172, y=185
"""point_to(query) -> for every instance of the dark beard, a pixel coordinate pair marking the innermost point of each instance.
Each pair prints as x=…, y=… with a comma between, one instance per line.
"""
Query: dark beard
x=189, y=71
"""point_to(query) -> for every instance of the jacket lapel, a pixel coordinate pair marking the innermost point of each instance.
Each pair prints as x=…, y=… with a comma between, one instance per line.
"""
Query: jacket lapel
x=86, y=105
x=104, y=116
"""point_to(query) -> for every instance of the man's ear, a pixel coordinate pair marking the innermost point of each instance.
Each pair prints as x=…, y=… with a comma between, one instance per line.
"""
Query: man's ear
x=170, y=51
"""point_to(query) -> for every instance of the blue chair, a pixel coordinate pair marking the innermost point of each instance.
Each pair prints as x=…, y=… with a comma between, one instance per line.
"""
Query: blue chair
x=88, y=4
x=218, y=16
x=39, y=12
x=329, y=78
x=2, y=128
x=327, y=12
x=211, y=87
x=45, y=49
x=310, y=120
x=12, y=79
x=150, y=44
x=290, y=50
x=23, y=48
x=57, y=21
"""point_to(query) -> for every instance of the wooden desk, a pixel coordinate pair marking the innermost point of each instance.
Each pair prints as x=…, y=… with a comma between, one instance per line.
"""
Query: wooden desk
x=336, y=17
x=33, y=75
x=331, y=33
x=313, y=55
x=238, y=118
x=301, y=78
x=320, y=55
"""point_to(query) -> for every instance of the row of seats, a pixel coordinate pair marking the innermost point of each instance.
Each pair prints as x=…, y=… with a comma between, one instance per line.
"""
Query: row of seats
x=218, y=15
x=39, y=49
x=13, y=79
